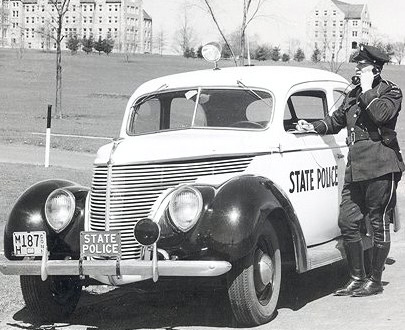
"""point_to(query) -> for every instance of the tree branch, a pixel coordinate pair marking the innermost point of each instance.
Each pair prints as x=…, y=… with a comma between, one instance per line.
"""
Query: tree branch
x=220, y=30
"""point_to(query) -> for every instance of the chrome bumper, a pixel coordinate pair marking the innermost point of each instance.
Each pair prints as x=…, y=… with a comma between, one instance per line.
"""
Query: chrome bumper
x=145, y=269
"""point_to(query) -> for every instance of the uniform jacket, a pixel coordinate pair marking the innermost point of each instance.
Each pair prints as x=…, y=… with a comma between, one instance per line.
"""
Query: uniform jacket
x=370, y=119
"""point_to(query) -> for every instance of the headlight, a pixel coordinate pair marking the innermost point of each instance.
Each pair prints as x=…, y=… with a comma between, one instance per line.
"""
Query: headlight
x=59, y=209
x=185, y=207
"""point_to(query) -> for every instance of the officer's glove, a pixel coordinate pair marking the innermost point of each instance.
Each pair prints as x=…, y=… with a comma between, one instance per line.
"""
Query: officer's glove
x=366, y=79
x=304, y=126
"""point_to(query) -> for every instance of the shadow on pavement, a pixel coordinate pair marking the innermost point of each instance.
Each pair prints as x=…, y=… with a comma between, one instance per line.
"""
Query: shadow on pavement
x=183, y=303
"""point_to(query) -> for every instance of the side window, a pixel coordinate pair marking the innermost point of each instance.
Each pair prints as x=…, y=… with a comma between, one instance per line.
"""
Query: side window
x=338, y=98
x=308, y=105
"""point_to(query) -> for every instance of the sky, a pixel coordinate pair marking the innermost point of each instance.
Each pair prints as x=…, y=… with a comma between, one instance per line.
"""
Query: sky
x=280, y=21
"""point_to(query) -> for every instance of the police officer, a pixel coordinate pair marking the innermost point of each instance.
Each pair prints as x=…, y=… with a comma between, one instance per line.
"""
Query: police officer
x=374, y=167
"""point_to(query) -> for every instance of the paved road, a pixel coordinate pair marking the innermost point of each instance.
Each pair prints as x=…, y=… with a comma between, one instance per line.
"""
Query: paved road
x=306, y=300
x=28, y=154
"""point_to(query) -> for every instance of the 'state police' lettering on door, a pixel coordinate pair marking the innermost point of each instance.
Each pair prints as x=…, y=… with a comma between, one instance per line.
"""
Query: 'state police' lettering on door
x=312, y=179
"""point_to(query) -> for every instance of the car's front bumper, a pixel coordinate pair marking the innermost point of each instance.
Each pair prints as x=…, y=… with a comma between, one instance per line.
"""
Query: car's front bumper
x=143, y=269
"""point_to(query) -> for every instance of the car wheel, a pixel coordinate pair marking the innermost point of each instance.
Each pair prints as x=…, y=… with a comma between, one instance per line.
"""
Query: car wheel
x=254, y=281
x=52, y=300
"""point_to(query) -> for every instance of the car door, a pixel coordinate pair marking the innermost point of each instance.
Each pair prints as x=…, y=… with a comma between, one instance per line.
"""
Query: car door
x=312, y=165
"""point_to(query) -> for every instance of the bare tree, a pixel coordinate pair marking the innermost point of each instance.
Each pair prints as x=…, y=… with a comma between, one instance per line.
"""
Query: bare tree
x=399, y=51
x=250, y=11
x=53, y=30
x=160, y=41
x=185, y=35
x=4, y=12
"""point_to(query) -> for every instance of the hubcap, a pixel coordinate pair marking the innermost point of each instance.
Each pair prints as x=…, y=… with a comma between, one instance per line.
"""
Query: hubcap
x=263, y=272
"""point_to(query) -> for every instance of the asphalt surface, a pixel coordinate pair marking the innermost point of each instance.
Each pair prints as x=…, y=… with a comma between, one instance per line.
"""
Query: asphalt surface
x=306, y=301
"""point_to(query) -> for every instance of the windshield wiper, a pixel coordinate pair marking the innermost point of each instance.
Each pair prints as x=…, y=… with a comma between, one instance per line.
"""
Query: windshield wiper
x=147, y=97
x=241, y=84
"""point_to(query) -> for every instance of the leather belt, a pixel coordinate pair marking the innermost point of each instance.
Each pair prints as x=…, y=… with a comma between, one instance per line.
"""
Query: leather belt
x=362, y=135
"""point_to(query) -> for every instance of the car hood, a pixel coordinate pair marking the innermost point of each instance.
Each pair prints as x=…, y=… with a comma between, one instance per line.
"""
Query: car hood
x=183, y=144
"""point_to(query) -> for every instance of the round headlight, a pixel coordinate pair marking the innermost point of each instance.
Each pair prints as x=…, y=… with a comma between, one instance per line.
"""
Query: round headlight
x=59, y=209
x=185, y=207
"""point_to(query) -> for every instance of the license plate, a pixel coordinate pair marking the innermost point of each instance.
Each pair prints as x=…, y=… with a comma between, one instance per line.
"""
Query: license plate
x=100, y=244
x=29, y=243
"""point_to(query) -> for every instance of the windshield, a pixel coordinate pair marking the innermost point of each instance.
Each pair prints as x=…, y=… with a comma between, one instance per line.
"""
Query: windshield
x=202, y=108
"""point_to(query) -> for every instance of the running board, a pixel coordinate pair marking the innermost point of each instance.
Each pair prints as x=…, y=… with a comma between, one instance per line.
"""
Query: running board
x=330, y=252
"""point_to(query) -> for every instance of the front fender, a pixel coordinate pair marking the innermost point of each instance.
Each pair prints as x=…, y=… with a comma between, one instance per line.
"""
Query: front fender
x=232, y=223
x=28, y=215
x=232, y=218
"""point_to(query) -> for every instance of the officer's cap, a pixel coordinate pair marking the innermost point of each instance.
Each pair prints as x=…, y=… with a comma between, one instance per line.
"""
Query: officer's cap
x=371, y=54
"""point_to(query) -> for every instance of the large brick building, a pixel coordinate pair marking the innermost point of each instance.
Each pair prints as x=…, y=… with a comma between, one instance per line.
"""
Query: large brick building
x=336, y=28
x=30, y=23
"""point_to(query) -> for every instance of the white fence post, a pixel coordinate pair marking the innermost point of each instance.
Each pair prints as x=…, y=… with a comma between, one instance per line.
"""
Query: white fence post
x=48, y=135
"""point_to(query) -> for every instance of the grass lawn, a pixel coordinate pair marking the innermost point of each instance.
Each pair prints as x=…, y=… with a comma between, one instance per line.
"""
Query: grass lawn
x=95, y=92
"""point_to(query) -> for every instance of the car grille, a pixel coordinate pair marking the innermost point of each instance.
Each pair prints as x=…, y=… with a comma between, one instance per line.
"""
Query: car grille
x=134, y=189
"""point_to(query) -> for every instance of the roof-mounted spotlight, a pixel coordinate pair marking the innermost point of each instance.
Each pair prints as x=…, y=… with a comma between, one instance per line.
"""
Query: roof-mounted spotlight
x=212, y=53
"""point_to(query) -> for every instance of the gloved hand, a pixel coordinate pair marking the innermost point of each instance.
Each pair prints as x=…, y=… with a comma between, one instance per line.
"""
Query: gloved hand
x=366, y=78
x=304, y=126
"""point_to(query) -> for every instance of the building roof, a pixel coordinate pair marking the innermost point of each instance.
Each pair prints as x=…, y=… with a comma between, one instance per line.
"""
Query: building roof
x=351, y=11
x=146, y=16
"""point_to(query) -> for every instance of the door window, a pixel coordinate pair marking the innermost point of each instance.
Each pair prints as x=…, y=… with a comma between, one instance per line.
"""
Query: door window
x=307, y=105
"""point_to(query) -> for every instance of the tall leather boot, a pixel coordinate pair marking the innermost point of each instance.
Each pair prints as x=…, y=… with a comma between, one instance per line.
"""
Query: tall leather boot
x=355, y=261
x=374, y=285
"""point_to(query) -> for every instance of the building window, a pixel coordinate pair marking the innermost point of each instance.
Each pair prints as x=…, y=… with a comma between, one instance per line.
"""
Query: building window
x=28, y=19
x=316, y=12
x=32, y=19
x=84, y=19
x=354, y=45
x=334, y=23
x=354, y=33
x=90, y=19
x=316, y=23
x=325, y=23
x=109, y=19
x=325, y=12
x=316, y=34
x=116, y=7
x=334, y=13
x=73, y=7
x=84, y=7
x=115, y=19
x=354, y=23
x=90, y=8
x=109, y=7
x=100, y=19
x=100, y=7
x=341, y=23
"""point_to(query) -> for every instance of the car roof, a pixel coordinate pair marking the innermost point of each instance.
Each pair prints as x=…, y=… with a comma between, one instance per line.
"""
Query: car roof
x=268, y=77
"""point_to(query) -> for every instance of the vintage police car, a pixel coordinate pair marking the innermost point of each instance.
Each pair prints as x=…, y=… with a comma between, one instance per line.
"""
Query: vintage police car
x=209, y=177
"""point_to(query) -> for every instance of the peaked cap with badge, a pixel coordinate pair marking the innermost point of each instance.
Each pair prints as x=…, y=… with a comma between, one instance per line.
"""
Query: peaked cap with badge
x=372, y=55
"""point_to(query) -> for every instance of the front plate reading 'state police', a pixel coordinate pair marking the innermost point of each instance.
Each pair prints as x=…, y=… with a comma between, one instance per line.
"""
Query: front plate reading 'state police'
x=29, y=243
x=100, y=244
